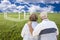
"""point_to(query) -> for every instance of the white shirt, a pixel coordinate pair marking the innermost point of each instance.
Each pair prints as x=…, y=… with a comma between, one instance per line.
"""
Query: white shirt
x=46, y=24
x=26, y=33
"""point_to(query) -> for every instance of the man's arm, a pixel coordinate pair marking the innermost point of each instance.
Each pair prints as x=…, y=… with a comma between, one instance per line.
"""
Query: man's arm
x=57, y=32
x=30, y=27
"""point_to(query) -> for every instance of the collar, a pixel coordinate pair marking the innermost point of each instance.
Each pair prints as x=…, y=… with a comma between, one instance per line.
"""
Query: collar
x=45, y=20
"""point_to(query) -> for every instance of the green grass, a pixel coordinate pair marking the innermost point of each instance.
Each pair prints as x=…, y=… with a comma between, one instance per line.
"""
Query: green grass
x=10, y=30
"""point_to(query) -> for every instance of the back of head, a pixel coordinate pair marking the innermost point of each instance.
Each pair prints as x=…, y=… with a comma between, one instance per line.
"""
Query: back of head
x=43, y=15
x=33, y=17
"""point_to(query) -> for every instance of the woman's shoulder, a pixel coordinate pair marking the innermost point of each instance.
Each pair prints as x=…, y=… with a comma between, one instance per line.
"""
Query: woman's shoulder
x=25, y=24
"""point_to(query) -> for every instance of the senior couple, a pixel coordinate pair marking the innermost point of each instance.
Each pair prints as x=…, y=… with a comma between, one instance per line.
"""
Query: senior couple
x=45, y=30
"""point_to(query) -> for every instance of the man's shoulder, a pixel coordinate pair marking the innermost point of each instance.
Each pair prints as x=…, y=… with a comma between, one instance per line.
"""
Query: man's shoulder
x=25, y=25
x=39, y=24
x=52, y=21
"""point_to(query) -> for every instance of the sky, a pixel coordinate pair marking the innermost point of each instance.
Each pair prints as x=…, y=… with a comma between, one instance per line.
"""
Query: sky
x=37, y=1
x=40, y=0
x=12, y=7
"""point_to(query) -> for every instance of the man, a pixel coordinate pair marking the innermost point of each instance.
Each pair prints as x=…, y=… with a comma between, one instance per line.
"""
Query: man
x=45, y=24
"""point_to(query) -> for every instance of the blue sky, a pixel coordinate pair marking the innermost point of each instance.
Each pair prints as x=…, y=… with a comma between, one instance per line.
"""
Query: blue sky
x=40, y=0
x=43, y=4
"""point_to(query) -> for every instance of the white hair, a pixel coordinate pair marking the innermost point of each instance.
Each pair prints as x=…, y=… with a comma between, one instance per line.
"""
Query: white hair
x=43, y=14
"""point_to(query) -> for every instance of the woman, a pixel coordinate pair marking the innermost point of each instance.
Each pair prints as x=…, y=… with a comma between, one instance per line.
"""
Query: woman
x=26, y=32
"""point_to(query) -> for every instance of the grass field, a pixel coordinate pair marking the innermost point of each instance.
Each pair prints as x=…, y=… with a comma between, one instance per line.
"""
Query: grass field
x=10, y=30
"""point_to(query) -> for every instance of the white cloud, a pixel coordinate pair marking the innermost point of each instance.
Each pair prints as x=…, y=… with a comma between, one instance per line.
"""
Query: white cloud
x=57, y=1
x=47, y=9
x=34, y=8
x=19, y=1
